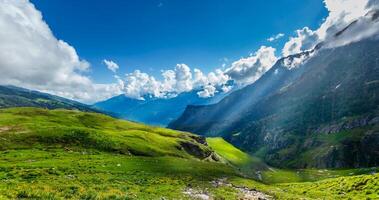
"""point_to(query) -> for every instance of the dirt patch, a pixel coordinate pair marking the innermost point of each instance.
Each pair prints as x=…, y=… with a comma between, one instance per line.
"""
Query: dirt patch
x=197, y=194
x=245, y=192
x=5, y=129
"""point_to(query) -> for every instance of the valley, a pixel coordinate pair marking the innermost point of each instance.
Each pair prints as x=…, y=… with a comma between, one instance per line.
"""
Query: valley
x=62, y=154
x=189, y=100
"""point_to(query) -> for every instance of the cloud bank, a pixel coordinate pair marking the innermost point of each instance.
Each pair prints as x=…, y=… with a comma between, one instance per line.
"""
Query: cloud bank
x=32, y=57
x=181, y=79
x=348, y=21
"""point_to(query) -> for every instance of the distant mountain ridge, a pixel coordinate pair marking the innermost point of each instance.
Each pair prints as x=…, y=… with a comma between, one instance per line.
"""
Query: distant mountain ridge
x=154, y=111
x=12, y=96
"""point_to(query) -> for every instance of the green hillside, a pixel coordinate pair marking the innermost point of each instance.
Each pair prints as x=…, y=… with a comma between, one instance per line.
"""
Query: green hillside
x=255, y=168
x=38, y=128
x=65, y=154
x=353, y=188
x=11, y=96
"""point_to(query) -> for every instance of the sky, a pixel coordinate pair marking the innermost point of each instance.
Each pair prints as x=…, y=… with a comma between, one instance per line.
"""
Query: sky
x=152, y=35
x=92, y=50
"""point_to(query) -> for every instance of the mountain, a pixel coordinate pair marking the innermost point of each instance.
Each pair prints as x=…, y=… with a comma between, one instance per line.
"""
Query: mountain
x=11, y=96
x=321, y=114
x=154, y=111
x=216, y=119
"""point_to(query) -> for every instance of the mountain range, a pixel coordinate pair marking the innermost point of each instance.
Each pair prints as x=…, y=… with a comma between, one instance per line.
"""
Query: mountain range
x=152, y=110
x=322, y=113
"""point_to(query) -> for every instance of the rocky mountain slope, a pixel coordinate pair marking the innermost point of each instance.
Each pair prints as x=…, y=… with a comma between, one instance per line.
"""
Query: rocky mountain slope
x=323, y=113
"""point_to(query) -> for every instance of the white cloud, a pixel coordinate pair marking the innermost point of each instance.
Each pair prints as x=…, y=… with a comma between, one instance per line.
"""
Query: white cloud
x=305, y=39
x=111, y=65
x=208, y=91
x=226, y=88
x=180, y=79
x=275, y=37
x=138, y=84
x=364, y=27
x=218, y=77
x=342, y=14
x=31, y=57
x=183, y=77
x=248, y=70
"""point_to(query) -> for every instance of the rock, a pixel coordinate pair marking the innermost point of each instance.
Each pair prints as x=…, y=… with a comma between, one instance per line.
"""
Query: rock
x=245, y=192
x=196, y=194
x=199, y=139
x=195, y=150
x=374, y=121
x=336, y=127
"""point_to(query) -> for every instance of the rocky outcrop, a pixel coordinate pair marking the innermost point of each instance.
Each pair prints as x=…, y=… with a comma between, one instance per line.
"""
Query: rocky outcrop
x=194, y=149
x=347, y=124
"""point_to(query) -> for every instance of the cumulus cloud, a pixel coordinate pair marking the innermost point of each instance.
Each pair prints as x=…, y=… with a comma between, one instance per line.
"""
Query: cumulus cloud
x=275, y=37
x=248, y=70
x=111, y=65
x=138, y=84
x=208, y=91
x=183, y=77
x=175, y=81
x=305, y=39
x=32, y=57
x=348, y=21
x=226, y=88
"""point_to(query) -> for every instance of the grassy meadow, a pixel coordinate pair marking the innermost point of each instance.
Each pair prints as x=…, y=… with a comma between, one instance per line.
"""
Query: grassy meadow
x=65, y=154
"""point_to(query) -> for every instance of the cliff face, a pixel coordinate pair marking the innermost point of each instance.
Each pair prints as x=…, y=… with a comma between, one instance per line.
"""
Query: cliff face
x=322, y=114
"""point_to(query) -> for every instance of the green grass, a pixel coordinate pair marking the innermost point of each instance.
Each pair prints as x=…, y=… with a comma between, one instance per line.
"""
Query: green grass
x=61, y=154
x=229, y=152
x=245, y=164
x=39, y=128
x=58, y=174
x=353, y=188
x=274, y=175
x=252, y=166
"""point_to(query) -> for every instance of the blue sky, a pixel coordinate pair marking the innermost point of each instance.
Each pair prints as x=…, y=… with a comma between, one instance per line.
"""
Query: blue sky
x=152, y=35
